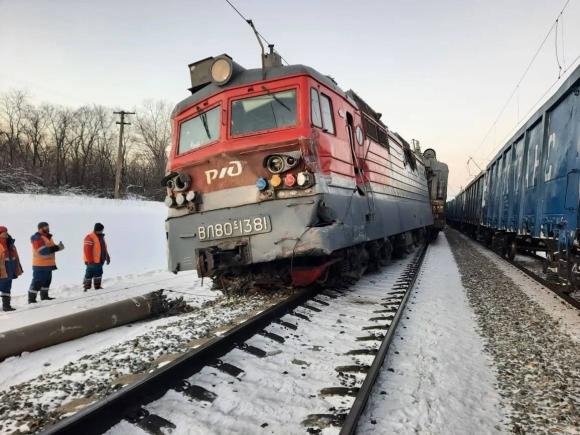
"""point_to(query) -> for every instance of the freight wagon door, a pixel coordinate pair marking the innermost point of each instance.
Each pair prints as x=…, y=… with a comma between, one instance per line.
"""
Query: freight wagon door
x=517, y=184
x=560, y=173
x=506, y=189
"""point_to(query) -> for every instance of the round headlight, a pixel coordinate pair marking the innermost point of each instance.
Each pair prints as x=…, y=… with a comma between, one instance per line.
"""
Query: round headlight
x=275, y=164
x=303, y=178
x=169, y=201
x=181, y=182
x=261, y=184
x=221, y=71
x=190, y=195
x=180, y=199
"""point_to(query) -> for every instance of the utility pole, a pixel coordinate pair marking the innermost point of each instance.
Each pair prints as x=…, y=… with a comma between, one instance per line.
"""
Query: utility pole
x=119, y=168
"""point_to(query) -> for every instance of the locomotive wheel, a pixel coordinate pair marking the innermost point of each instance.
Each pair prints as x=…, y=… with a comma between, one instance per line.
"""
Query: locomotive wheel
x=357, y=262
x=374, y=250
x=385, y=253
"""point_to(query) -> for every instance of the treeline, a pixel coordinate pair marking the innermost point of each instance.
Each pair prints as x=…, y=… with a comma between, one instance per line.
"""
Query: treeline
x=53, y=149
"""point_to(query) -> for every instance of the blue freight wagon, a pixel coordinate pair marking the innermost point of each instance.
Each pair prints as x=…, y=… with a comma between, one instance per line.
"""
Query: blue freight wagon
x=527, y=198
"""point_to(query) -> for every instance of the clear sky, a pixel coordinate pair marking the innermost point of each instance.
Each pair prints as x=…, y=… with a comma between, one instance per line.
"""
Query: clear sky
x=439, y=71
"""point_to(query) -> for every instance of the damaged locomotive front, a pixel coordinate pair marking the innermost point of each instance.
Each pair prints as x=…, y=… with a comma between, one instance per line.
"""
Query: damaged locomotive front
x=275, y=174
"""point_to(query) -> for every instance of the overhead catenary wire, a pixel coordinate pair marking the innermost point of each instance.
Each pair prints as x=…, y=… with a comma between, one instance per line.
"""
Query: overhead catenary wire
x=248, y=20
x=536, y=104
x=524, y=75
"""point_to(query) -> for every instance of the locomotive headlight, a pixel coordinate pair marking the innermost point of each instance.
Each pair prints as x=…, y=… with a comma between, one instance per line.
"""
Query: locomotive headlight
x=190, y=195
x=181, y=182
x=221, y=70
x=303, y=178
x=289, y=180
x=261, y=184
x=180, y=199
x=169, y=201
x=275, y=181
x=275, y=164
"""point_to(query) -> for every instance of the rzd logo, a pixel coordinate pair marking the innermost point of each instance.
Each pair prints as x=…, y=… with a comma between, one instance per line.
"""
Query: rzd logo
x=232, y=170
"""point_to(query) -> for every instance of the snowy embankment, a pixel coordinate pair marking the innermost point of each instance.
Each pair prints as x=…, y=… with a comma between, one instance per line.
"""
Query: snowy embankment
x=134, y=231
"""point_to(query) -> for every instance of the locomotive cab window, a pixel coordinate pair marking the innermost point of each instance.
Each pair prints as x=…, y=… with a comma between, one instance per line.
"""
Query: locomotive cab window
x=199, y=130
x=315, y=108
x=264, y=112
x=327, y=118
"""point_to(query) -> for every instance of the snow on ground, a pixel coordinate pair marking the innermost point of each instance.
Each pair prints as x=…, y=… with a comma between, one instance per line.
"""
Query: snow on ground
x=134, y=230
x=52, y=382
x=71, y=300
x=282, y=392
x=30, y=365
x=436, y=377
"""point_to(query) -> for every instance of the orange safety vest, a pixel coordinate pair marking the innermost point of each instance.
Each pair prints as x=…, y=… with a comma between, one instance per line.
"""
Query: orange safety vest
x=4, y=257
x=44, y=260
x=95, y=252
x=3, y=273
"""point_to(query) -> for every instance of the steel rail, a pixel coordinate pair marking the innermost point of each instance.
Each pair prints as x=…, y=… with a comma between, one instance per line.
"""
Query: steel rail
x=549, y=285
x=104, y=414
x=352, y=419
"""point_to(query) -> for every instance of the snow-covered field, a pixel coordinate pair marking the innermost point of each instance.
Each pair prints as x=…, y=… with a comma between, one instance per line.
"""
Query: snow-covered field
x=134, y=230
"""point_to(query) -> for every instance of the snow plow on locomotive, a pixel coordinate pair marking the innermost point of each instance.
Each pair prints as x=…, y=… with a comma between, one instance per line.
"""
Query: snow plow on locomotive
x=527, y=199
x=277, y=175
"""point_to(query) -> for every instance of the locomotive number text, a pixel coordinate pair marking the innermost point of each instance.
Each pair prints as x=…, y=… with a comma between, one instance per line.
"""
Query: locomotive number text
x=235, y=228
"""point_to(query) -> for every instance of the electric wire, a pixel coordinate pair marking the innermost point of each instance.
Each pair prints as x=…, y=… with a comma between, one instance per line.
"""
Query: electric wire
x=247, y=20
x=537, y=103
x=527, y=69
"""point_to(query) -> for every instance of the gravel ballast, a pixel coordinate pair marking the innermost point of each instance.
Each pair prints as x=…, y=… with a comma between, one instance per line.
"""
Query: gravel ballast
x=30, y=406
x=538, y=365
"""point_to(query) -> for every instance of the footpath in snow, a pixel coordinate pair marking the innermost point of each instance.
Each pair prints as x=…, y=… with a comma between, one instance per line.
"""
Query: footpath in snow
x=436, y=377
x=531, y=337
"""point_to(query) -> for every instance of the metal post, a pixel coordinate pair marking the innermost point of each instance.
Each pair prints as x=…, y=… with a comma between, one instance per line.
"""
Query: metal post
x=119, y=168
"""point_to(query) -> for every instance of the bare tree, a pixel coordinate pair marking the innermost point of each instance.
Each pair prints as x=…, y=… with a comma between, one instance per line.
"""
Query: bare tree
x=54, y=148
x=12, y=108
x=154, y=133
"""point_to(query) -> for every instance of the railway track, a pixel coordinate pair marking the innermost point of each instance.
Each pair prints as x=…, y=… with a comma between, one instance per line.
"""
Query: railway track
x=553, y=286
x=303, y=365
x=556, y=287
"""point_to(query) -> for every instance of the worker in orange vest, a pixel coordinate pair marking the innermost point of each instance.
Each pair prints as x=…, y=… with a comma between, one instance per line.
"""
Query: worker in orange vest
x=43, y=262
x=10, y=267
x=95, y=255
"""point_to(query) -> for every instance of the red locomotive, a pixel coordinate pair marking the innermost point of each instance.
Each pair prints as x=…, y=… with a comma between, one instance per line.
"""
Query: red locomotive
x=277, y=175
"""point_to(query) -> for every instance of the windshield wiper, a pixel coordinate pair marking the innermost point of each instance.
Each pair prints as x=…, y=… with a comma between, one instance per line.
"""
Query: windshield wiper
x=205, y=125
x=276, y=99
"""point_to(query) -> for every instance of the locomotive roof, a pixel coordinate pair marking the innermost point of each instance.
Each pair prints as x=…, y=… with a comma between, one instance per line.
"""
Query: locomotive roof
x=250, y=76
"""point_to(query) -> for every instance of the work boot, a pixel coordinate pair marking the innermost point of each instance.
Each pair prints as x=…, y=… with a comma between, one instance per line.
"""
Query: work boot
x=31, y=297
x=87, y=283
x=44, y=296
x=6, y=304
x=98, y=284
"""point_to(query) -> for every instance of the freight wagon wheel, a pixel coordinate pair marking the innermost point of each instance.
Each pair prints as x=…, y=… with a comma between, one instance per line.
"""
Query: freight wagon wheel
x=512, y=250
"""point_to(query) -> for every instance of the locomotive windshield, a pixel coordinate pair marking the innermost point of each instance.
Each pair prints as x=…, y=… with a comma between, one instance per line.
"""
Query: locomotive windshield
x=264, y=112
x=200, y=130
